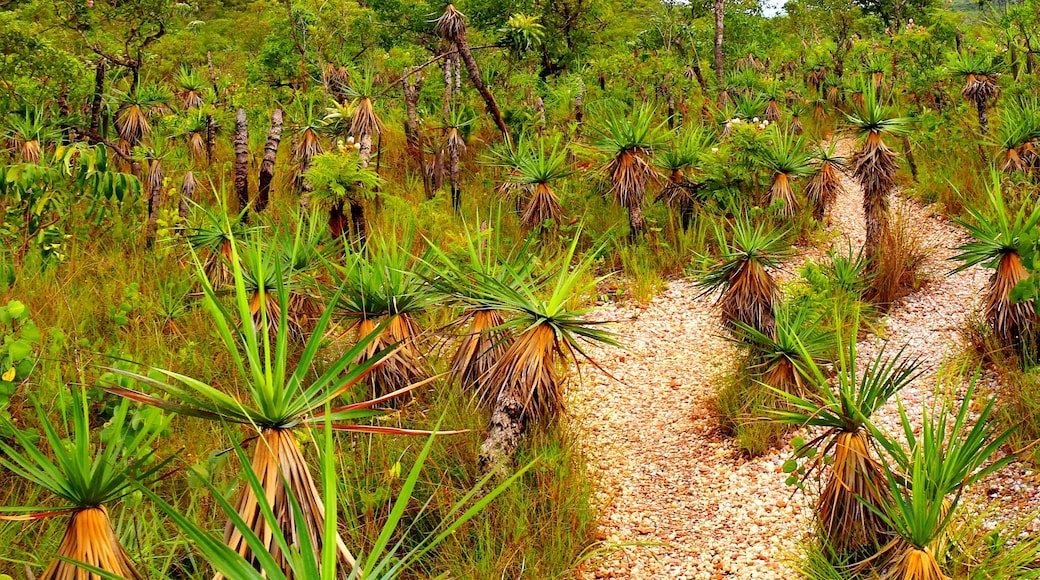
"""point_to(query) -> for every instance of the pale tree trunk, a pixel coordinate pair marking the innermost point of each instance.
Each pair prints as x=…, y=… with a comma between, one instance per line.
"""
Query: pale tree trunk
x=413, y=138
x=241, y=170
x=188, y=185
x=456, y=193
x=506, y=428
x=274, y=137
x=719, y=14
x=635, y=217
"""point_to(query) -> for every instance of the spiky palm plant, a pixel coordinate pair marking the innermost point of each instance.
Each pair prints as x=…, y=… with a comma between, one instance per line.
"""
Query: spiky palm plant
x=538, y=172
x=133, y=118
x=776, y=358
x=825, y=184
x=677, y=162
x=357, y=118
x=999, y=238
x=786, y=159
x=191, y=87
x=486, y=339
x=211, y=242
x=980, y=74
x=307, y=127
x=524, y=386
x=749, y=291
x=774, y=94
x=453, y=142
x=509, y=157
x=627, y=145
x=384, y=287
x=88, y=476
x=278, y=400
x=748, y=107
x=797, y=112
x=874, y=165
x=847, y=509
x=30, y=133
x=192, y=127
x=1018, y=136
x=954, y=450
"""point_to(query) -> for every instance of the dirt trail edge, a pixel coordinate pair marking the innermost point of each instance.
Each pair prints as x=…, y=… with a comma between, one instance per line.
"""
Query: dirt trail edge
x=678, y=491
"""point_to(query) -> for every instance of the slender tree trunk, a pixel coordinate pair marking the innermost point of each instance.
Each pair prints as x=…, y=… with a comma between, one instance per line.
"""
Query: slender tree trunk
x=155, y=191
x=695, y=63
x=456, y=193
x=99, y=93
x=188, y=186
x=908, y=151
x=274, y=137
x=478, y=81
x=720, y=6
x=360, y=225
x=241, y=170
x=635, y=217
x=211, y=138
x=539, y=111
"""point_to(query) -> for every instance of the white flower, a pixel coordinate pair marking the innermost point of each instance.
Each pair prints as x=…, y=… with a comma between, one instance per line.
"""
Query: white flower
x=357, y=146
x=350, y=140
x=714, y=149
x=755, y=120
x=736, y=119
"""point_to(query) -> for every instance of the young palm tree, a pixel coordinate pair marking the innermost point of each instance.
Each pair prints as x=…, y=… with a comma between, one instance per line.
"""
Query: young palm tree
x=676, y=162
x=192, y=127
x=797, y=112
x=786, y=159
x=280, y=399
x=954, y=450
x=1018, y=136
x=874, y=165
x=999, y=241
x=486, y=339
x=29, y=134
x=510, y=157
x=191, y=87
x=211, y=242
x=384, y=287
x=774, y=95
x=537, y=172
x=980, y=74
x=454, y=144
x=749, y=291
x=524, y=386
x=87, y=476
x=628, y=145
x=847, y=509
x=306, y=138
x=777, y=358
x=825, y=185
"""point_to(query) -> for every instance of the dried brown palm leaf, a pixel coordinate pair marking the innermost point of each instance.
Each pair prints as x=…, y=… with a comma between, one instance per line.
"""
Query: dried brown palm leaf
x=90, y=539
x=543, y=205
x=772, y=112
x=1011, y=321
x=480, y=348
x=451, y=25
x=874, y=167
x=285, y=477
x=856, y=482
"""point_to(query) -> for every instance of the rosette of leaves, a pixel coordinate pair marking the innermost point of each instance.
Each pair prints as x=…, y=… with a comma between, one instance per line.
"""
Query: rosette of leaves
x=281, y=392
x=980, y=72
x=87, y=477
x=338, y=178
x=785, y=157
x=749, y=290
x=381, y=290
x=955, y=448
x=1018, y=136
x=537, y=172
x=29, y=133
x=1001, y=238
x=855, y=491
x=825, y=184
x=678, y=162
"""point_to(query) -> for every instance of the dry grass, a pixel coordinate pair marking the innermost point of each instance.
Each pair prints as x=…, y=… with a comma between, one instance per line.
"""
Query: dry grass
x=898, y=268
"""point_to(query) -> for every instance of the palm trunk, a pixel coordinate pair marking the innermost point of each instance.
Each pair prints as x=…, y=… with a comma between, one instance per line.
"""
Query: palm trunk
x=188, y=186
x=155, y=191
x=241, y=170
x=635, y=217
x=274, y=137
x=983, y=117
x=456, y=194
x=99, y=92
x=506, y=428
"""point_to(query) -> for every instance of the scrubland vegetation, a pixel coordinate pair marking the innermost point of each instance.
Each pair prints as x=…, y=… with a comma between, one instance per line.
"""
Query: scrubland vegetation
x=298, y=289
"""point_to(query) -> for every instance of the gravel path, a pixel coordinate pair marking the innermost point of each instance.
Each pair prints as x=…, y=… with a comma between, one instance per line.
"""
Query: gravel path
x=678, y=493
